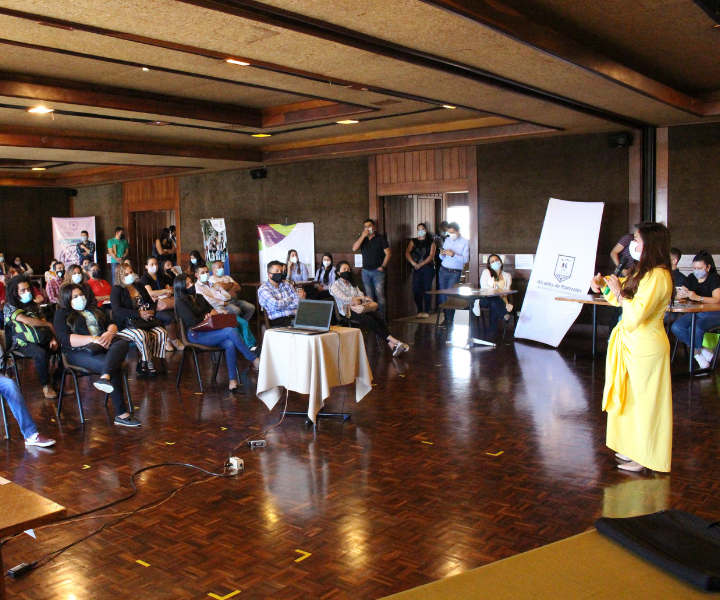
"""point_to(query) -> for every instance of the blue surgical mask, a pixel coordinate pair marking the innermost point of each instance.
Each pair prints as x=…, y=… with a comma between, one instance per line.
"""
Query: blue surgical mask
x=699, y=273
x=78, y=302
x=421, y=233
x=76, y=278
x=26, y=297
x=129, y=279
x=204, y=277
x=495, y=266
x=220, y=272
x=193, y=260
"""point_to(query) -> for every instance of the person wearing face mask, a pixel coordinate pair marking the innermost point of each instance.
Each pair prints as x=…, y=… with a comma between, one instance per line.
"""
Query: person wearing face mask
x=4, y=266
x=702, y=285
x=347, y=295
x=222, y=302
x=376, y=254
x=196, y=260
x=101, y=288
x=455, y=254
x=164, y=247
x=325, y=276
x=118, y=249
x=52, y=288
x=14, y=398
x=21, y=266
x=420, y=253
x=494, y=278
x=159, y=287
x=134, y=315
x=90, y=341
x=638, y=395
x=30, y=332
x=278, y=298
x=192, y=308
x=50, y=273
x=85, y=248
x=296, y=270
x=220, y=280
x=622, y=250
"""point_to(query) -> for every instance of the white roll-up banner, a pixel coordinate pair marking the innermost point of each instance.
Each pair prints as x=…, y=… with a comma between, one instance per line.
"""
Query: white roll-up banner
x=564, y=266
x=66, y=237
x=276, y=240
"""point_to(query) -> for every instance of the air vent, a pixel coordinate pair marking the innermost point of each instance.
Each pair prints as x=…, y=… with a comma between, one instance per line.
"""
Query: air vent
x=387, y=102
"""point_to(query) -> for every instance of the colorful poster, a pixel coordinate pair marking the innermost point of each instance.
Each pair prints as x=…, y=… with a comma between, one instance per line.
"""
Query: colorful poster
x=66, y=237
x=564, y=265
x=215, y=242
x=276, y=241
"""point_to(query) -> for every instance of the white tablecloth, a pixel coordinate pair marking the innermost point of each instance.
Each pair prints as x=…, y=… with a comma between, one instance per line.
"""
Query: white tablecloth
x=312, y=364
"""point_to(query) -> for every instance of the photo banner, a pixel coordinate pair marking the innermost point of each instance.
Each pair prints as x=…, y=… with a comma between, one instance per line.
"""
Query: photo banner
x=564, y=266
x=215, y=242
x=66, y=237
x=275, y=241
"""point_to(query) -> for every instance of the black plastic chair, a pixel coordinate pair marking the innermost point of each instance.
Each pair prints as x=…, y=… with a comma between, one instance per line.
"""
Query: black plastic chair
x=197, y=349
x=343, y=321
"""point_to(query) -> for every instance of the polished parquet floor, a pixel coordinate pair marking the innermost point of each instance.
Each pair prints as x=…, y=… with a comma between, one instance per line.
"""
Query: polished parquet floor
x=456, y=459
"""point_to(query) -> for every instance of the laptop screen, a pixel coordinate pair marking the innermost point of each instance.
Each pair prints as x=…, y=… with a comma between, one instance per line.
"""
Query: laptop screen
x=314, y=314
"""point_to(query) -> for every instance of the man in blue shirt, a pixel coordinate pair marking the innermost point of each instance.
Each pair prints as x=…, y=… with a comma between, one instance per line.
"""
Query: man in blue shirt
x=454, y=255
x=278, y=297
x=85, y=248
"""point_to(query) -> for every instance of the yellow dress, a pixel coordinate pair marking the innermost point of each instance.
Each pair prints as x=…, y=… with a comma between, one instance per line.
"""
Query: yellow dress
x=638, y=395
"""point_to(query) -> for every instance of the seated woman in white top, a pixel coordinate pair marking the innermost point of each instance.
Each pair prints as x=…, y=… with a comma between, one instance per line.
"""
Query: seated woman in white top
x=325, y=276
x=493, y=277
x=347, y=295
x=297, y=271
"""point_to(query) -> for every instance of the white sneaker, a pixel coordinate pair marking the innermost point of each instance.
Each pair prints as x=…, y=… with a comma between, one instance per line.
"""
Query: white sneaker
x=707, y=353
x=623, y=457
x=420, y=315
x=702, y=361
x=425, y=315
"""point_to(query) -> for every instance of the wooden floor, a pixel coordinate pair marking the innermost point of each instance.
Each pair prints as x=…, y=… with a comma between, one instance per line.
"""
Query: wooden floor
x=456, y=459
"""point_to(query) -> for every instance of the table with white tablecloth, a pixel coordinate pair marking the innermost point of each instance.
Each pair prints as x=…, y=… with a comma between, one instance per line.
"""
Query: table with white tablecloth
x=312, y=364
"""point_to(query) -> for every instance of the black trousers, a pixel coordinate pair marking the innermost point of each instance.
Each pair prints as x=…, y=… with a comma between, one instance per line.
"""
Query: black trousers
x=107, y=363
x=373, y=321
x=282, y=322
x=41, y=357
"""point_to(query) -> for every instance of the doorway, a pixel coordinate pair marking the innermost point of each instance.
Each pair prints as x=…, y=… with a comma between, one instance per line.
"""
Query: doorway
x=147, y=226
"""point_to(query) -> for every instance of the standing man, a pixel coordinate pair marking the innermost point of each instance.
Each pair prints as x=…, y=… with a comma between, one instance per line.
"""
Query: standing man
x=278, y=298
x=454, y=254
x=85, y=248
x=376, y=256
x=118, y=249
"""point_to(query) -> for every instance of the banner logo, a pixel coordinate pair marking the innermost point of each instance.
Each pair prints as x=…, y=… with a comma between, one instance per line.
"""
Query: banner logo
x=564, y=267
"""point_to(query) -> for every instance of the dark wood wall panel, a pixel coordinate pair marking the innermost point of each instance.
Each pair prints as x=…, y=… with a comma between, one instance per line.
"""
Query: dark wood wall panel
x=440, y=170
x=400, y=215
x=147, y=227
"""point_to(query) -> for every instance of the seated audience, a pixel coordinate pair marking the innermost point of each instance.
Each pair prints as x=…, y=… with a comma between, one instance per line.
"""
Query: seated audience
x=420, y=253
x=21, y=266
x=679, y=278
x=85, y=264
x=494, y=278
x=192, y=308
x=13, y=396
x=31, y=333
x=278, y=297
x=347, y=295
x=134, y=315
x=75, y=274
x=325, y=276
x=88, y=341
x=159, y=287
x=702, y=285
x=85, y=248
x=221, y=301
x=100, y=287
x=296, y=270
x=52, y=288
x=50, y=273
x=219, y=280
x=196, y=260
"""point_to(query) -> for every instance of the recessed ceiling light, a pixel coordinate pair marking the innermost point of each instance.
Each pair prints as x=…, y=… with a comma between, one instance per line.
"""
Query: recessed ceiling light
x=448, y=106
x=43, y=110
x=261, y=135
x=237, y=62
x=145, y=69
x=158, y=123
x=346, y=122
x=38, y=168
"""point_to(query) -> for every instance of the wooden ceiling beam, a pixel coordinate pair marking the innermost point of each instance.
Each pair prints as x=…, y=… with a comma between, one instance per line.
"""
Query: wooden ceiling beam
x=88, y=177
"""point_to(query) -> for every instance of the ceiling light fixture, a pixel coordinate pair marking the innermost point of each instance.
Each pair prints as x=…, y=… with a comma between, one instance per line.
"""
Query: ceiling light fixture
x=158, y=123
x=145, y=69
x=43, y=110
x=448, y=106
x=38, y=168
x=232, y=61
x=261, y=135
x=347, y=122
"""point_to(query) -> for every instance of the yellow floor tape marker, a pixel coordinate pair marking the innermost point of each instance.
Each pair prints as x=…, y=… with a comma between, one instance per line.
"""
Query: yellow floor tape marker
x=306, y=554
x=230, y=595
x=223, y=428
x=424, y=442
x=496, y=454
x=170, y=443
x=86, y=466
x=142, y=562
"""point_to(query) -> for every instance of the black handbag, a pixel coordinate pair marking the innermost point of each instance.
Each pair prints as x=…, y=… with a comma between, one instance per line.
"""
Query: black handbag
x=138, y=323
x=680, y=543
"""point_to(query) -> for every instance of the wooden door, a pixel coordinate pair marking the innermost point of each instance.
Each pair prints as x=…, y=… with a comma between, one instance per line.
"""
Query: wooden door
x=148, y=225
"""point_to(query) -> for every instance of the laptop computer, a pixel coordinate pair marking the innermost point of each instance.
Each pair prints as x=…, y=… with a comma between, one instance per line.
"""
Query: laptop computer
x=313, y=316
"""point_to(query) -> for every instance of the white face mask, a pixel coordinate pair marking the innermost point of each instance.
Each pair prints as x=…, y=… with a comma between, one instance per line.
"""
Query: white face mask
x=634, y=251
x=76, y=278
x=369, y=230
x=421, y=233
x=293, y=260
x=152, y=269
x=220, y=272
x=83, y=238
x=326, y=264
x=193, y=260
x=78, y=302
x=452, y=236
x=129, y=279
x=495, y=266
x=25, y=297
x=699, y=273
x=2, y=259
x=204, y=277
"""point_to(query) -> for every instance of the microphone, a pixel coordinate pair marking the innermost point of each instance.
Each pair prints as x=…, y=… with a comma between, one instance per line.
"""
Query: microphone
x=619, y=269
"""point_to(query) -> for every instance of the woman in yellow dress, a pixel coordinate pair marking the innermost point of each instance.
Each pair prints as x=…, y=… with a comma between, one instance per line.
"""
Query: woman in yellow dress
x=638, y=395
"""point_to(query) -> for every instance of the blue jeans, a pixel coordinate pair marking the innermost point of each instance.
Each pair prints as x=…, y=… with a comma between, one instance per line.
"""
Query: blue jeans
x=681, y=327
x=229, y=340
x=497, y=312
x=447, y=280
x=422, y=280
x=374, y=283
x=16, y=402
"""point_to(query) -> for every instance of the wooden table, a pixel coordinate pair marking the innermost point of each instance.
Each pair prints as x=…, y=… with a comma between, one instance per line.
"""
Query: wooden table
x=471, y=295
x=20, y=510
x=681, y=306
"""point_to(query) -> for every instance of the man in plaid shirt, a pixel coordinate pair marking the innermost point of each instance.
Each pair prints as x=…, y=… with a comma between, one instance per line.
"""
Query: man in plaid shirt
x=278, y=298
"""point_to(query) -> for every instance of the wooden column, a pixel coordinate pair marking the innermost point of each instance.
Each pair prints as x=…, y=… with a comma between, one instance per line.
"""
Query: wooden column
x=474, y=233
x=635, y=182
x=661, y=176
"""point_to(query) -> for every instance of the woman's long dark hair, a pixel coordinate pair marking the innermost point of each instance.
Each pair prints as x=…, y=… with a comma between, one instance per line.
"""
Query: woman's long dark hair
x=493, y=272
x=180, y=289
x=200, y=260
x=707, y=258
x=351, y=281
x=65, y=302
x=12, y=294
x=326, y=272
x=655, y=253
